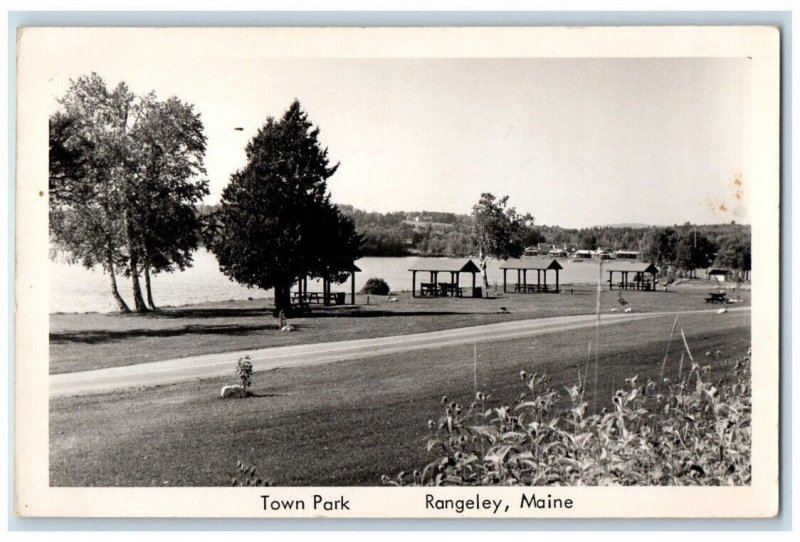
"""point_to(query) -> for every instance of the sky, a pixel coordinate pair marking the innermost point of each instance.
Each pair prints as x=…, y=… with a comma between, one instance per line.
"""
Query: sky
x=575, y=142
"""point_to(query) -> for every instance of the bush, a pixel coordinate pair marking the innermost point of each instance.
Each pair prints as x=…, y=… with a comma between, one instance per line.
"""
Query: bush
x=685, y=433
x=376, y=286
x=244, y=370
x=246, y=475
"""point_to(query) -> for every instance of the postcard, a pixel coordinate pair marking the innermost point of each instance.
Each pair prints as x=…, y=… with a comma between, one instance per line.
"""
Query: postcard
x=397, y=272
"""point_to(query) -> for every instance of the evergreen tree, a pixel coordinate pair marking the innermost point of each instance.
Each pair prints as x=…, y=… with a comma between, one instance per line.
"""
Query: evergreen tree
x=276, y=223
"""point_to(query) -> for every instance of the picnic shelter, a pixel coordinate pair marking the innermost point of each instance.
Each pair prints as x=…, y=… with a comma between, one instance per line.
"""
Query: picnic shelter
x=632, y=275
x=522, y=265
x=436, y=287
x=327, y=296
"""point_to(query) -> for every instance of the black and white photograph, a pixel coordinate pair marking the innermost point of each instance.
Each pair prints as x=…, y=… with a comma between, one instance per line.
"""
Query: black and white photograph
x=465, y=272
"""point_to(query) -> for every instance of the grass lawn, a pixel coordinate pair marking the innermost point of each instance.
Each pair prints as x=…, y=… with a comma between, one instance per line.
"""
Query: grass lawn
x=81, y=342
x=346, y=423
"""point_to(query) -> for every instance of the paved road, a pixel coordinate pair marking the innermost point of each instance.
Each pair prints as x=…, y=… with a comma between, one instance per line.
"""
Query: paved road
x=214, y=365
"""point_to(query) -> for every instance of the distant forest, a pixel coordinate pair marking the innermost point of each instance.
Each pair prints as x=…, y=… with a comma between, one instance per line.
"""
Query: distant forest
x=431, y=233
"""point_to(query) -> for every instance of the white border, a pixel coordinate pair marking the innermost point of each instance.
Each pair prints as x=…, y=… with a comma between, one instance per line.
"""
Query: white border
x=34, y=497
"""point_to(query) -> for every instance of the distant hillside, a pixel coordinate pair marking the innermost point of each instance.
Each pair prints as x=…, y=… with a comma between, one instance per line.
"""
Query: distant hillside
x=402, y=233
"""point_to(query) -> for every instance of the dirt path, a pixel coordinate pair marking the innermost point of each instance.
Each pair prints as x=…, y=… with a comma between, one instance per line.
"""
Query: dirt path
x=215, y=365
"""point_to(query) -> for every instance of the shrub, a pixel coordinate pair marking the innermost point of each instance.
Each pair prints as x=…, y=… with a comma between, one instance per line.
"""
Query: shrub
x=685, y=433
x=246, y=476
x=244, y=370
x=376, y=286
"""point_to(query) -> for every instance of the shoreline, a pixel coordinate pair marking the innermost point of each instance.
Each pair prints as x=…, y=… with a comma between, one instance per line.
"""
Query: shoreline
x=683, y=283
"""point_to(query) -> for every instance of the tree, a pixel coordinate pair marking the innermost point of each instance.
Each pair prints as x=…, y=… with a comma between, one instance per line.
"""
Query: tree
x=86, y=180
x=121, y=188
x=735, y=254
x=276, y=223
x=588, y=241
x=658, y=246
x=170, y=147
x=499, y=231
x=693, y=251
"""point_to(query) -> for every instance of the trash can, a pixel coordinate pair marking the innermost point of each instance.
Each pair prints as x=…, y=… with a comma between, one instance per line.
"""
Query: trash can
x=477, y=291
x=340, y=297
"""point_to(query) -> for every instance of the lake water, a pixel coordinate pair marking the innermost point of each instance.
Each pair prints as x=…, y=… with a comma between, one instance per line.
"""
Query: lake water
x=75, y=289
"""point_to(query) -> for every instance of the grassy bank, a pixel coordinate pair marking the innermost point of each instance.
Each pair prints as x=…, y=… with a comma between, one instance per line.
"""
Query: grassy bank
x=343, y=423
x=91, y=341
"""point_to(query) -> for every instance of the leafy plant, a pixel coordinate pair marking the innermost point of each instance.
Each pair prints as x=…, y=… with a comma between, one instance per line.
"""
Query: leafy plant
x=246, y=476
x=244, y=370
x=376, y=286
x=690, y=432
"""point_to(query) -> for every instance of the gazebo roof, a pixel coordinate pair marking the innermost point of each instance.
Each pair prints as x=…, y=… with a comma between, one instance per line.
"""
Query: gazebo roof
x=631, y=267
x=531, y=263
x=453, y=265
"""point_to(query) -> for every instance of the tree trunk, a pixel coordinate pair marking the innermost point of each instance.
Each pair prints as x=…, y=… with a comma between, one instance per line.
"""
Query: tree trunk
x=283, y=298
x=148, y=287
x=121, y=305
x=138, y=300
x=484, y=274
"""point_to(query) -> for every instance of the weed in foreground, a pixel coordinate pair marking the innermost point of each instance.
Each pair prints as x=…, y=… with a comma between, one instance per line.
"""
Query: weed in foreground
x=690, y=432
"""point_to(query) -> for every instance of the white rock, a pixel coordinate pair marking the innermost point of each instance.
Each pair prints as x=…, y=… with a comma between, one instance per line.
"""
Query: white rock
x=392, y=300
x=231, y=391
x=629, y=309
x=614, y=310
x=288, y=327
x=721, y=311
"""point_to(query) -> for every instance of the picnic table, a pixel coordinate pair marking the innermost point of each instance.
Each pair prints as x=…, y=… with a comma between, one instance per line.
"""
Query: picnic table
x=451, y=289
x=530, y=288
x=440, y=289
x=336, y=298
x=716, y=297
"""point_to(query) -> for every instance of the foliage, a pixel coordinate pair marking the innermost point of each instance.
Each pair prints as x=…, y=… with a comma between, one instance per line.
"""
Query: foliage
x=658, y=246
x=498, y=231
x=246, y=476
x=276, y=223
x=244, y=370
x=450, y=234
x=122, y=181
x=88, y=187
x=734, y=253
x=376, y=286
x=587, y=241
x=169, y=148
x=690, y=432
x=693, y=250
